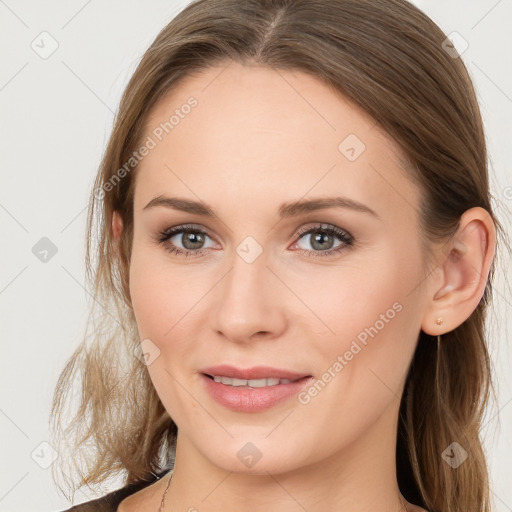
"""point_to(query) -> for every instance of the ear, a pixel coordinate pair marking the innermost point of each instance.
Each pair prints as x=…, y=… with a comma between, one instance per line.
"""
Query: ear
x=460, y=278
x=117, y=225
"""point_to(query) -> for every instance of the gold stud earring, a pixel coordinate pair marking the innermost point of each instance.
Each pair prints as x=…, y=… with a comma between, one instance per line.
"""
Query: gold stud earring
x=439, y=321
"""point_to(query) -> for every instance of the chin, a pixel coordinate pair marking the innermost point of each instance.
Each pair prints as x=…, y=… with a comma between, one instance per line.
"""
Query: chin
x=256, y=455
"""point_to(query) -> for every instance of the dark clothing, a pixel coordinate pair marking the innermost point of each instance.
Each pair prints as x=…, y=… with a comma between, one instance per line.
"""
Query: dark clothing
x=110, y=501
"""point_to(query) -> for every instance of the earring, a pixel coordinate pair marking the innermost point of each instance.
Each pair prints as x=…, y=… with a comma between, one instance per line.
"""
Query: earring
x=439, y=321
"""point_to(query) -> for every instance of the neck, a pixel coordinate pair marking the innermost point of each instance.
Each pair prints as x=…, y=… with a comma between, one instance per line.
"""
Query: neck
x=360, y=477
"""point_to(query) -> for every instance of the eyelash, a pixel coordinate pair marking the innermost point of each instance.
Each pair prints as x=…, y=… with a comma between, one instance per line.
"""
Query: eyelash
x=342, y=235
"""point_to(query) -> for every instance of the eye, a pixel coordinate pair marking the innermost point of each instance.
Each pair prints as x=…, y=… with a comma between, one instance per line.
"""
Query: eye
x=189, y=236
x=192, y=240
x=322, y=238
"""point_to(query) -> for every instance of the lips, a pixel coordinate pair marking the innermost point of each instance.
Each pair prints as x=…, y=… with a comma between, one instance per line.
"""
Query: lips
x=251, y=398
x=255, y=373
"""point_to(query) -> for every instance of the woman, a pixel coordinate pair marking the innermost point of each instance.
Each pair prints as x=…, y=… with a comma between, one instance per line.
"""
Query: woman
x=295, y=252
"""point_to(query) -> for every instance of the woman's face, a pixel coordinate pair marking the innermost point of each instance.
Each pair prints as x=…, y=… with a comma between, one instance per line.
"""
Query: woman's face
x=262, y=283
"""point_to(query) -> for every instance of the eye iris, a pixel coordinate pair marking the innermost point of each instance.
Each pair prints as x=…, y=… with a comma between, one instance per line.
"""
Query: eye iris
x=196, y=239
x=319, y=237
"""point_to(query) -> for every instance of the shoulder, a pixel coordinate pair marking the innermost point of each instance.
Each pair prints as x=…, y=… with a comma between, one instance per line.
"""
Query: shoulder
x=110, y=501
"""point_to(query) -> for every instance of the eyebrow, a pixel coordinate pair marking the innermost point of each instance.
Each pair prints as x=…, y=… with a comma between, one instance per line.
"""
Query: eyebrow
x=290, y=209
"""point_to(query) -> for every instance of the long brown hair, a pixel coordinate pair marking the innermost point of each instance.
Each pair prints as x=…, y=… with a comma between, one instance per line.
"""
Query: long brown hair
x=389, y=58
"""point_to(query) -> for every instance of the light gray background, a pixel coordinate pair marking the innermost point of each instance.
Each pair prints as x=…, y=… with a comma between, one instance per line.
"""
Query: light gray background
x=56, y=116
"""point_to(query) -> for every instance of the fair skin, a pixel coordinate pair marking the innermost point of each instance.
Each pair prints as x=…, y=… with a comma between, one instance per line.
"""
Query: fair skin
x=253, y=143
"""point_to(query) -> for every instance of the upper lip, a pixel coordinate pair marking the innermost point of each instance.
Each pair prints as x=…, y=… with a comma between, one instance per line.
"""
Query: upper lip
x=256, y=372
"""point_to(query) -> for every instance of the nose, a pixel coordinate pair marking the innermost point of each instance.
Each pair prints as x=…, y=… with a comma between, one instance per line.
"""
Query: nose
x=250, y=302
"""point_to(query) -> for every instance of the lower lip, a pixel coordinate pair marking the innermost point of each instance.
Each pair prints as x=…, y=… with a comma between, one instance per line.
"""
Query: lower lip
x=244, y=399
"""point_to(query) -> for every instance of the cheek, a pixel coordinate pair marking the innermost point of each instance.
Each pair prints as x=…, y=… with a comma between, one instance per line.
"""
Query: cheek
x=353, y=295
x=368, y=311
x=156, y=294
x=167, y=300
x=373, y=319
x=161, y=303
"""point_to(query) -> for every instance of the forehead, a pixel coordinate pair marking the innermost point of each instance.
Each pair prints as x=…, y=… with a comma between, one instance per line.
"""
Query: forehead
x=260, y=133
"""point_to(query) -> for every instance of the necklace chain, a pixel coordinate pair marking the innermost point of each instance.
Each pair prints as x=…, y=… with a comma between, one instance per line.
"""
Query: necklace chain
x=165, y=492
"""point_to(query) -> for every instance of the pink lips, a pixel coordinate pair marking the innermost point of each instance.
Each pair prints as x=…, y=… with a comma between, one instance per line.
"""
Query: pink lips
x=257, y=372
x=247, y=399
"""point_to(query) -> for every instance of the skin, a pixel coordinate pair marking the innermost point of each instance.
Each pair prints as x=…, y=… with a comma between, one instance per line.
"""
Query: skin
x=259, y=138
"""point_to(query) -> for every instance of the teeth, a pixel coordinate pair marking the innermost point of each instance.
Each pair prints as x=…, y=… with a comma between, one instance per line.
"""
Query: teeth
x=253, y=383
